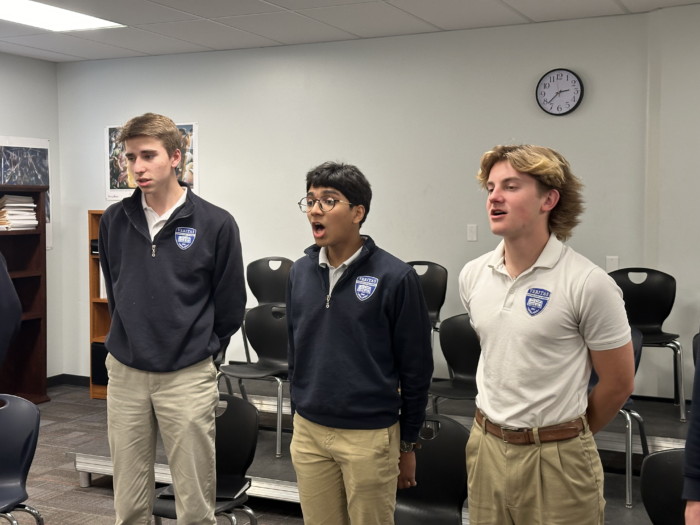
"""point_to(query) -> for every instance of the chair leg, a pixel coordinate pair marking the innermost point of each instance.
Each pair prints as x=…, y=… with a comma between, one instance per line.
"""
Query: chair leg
x=678, y=368
x=38, y=518
x=157, y=520
x=229, y=516
x=244, y=395
x=435, y=404
x=279, y=416
x=219, y=375
x=628, y=458
x=245, y=342
x=250, y=513
x=9, y=517
x=642, y=432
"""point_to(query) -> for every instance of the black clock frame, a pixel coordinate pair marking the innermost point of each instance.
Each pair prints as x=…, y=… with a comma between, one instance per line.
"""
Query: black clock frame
x=580, y=99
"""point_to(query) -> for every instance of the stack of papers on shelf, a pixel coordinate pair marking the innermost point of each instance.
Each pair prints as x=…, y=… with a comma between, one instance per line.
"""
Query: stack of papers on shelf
x=17, y=212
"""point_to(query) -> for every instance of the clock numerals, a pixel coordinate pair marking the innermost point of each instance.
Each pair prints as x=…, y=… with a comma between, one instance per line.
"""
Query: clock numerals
x=559, y=92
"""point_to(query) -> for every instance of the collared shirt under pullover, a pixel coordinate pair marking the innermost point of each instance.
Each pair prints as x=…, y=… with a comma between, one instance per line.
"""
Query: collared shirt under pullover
x=350, y=351
x=172, y=299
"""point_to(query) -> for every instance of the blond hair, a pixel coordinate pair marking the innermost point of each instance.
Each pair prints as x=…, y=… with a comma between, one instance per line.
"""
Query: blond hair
x=551, y=171
x=152, y=125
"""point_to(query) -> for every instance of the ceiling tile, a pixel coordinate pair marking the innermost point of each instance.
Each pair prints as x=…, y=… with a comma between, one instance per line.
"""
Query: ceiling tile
x=12, y=29
x=41, y=54
x=139, y=40
x=370, y=20
x=210, y=34
x=287, y=27
x=643, y=6
x=127, y=12
x=548, y=10
x=458, y=14
x=219, y=8
x=308, y=4
x=70, y=45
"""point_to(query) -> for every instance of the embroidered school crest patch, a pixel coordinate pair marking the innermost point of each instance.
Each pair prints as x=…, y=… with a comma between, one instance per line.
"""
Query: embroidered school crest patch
x=184, y=237
x=535, y=300
x=365, y=287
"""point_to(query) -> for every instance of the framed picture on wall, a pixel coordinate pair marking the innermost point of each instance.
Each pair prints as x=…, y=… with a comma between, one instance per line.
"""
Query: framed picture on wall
x=120, y=181
x=25, y=162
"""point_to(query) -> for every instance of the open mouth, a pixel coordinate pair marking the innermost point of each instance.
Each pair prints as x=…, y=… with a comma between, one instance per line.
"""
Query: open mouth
x=143, y=181
x=497, y=213
x=318, y=229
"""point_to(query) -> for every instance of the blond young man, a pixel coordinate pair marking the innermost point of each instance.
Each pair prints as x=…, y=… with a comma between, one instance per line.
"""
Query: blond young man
x=174, y=273
x=545, y=315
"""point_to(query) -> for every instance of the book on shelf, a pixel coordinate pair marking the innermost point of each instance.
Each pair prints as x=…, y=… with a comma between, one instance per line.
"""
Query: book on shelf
x=17, y=212
x=103, y=286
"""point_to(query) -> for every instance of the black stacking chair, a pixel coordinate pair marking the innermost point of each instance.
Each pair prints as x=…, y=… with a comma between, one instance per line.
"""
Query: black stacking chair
x=628, y=413
x=461, y=348
x=696, y=347
x=236, y=439
x=662, y=487
x=267, y=331
x=434, y=285
x=268, y=284
x=19, y=421
x=441, y=473
x=648, y=304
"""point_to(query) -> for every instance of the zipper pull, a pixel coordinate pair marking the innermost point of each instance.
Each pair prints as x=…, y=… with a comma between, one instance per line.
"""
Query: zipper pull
x=153, y=250
x=328, y=301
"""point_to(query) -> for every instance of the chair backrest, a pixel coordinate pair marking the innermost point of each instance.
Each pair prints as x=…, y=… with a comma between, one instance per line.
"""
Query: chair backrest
x=649, y=303
x=19, y=421
x=637, y=344
x=441, y=473
x=269, y=286
x=662, y=487
x=236, y=436
x=266, y=328
x=696, y=347
x=460, y=346
x=434, y=285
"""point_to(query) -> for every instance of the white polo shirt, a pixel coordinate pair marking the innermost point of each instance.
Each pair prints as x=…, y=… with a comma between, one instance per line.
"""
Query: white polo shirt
x=334, y=274
x=155, y=221
x=536, y=330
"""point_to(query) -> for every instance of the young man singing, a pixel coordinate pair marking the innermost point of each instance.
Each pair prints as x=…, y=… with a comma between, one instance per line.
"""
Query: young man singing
x=174, y=273
x=360, y=360
x=545, y=315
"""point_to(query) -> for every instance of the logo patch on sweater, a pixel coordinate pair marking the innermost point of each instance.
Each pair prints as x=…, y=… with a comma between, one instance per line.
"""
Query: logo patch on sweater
x=365, y=287
x=535, y=300
x=184, y=237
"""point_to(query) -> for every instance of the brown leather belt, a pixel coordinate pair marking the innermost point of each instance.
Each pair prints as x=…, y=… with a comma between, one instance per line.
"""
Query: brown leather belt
x=525, y=436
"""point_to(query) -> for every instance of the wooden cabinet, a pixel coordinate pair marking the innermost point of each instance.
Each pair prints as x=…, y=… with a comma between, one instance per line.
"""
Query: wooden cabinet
x=24, y=371
x=100, y=320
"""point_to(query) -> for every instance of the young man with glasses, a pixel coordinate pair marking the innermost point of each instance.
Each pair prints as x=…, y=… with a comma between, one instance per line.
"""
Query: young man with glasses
x=360, y=360
x=544, y=315
x=174, y=274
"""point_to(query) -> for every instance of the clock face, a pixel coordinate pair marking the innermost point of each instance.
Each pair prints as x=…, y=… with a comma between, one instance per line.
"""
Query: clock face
x=559, y=92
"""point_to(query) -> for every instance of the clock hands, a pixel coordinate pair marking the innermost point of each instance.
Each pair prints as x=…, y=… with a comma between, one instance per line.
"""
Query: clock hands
x=556, y=95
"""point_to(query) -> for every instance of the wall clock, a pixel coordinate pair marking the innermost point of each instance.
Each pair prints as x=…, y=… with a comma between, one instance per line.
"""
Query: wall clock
x=559, y=92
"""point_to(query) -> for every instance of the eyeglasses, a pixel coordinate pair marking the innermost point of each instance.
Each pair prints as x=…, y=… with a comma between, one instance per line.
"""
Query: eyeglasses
x=327, y=204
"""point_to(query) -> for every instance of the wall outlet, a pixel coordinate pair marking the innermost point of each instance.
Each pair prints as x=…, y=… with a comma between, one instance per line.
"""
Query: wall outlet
x=612, y=263
x=471, y=232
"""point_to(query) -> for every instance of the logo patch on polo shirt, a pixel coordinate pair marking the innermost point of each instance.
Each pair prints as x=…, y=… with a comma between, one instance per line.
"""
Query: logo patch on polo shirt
x=535, y=300
x=365, y=287
x=184, y=237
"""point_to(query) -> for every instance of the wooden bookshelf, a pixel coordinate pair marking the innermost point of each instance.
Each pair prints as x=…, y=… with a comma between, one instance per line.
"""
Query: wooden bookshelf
x=24, y=371
x=100, y=320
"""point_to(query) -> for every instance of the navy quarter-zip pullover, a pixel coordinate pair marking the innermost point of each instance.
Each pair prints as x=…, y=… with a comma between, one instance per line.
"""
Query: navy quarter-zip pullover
x=351, y=350
x=174, y=298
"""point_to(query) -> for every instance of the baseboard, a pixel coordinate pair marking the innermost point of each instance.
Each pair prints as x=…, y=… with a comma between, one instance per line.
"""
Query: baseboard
x=657, y=399
x=67, y=379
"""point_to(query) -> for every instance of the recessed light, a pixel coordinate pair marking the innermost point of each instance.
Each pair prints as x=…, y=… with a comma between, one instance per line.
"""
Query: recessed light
x=49, y=17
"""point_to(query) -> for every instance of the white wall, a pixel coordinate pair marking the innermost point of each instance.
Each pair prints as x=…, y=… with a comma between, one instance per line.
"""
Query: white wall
x=415, y=114
x=28, y=93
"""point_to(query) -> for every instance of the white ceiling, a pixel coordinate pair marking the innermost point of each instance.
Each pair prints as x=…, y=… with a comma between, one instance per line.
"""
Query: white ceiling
x=164, y=27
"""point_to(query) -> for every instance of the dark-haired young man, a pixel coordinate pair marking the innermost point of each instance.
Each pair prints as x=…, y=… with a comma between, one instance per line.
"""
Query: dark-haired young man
x=359, y=354
x=174, y=274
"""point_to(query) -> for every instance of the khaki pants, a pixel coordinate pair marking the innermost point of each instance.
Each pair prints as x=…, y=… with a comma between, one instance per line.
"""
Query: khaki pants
x=345, y=475
x=182, y=404
x=558, y=483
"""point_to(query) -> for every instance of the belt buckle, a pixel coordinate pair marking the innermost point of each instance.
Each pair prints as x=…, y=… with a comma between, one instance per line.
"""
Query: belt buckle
x=509, y=429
